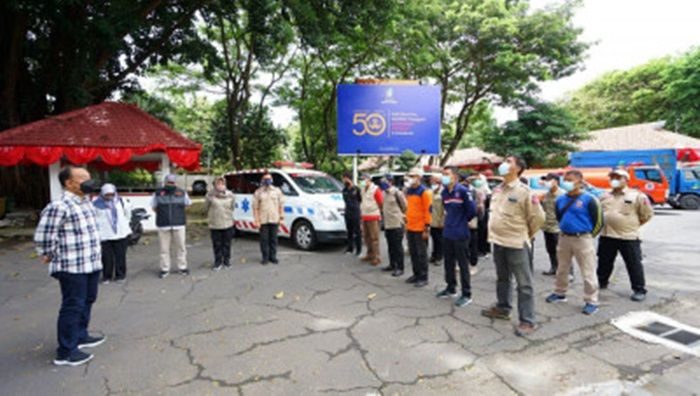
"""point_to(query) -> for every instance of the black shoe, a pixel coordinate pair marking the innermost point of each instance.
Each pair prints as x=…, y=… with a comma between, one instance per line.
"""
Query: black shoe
x=227, y=265
x=163, y=274
x=91, y=341
x=432, y=260
x=421, y=283
x=412, y=279
x=388, y=268
x=263, y=262
x=397, y=272
x=184, y=272
x=275, y=261
x=603, y=286
x=75, y=359
x=551, y=272
x=358, y=252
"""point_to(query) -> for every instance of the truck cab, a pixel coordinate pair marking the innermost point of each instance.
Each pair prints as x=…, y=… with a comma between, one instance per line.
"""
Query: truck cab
x=686, y=187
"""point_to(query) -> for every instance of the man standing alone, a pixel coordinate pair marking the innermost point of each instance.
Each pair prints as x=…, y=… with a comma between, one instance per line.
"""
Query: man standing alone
x=268, y=209
x=169, y=203
x=352, y=198
x=418, y=201
x=625, y=212
x=68, y=241
x=371, y=208
x=516, y=215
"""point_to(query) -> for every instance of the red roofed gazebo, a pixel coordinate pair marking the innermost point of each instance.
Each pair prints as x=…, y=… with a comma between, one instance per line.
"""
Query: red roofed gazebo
x=107, y=135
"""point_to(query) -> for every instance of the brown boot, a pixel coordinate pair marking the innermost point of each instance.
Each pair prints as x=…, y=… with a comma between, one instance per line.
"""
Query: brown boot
x=496, y=313
x=524, y=329
x=366, y=258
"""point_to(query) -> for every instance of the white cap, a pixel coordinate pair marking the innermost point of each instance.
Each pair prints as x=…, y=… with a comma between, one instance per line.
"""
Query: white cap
x=620, y=172
x=108, y=188
x=170, y=178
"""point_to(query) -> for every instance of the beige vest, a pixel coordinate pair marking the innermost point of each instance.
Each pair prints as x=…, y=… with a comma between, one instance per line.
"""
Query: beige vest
x=369, y=206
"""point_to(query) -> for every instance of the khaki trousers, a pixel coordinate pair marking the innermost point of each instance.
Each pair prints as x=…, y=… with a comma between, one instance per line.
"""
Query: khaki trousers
x=582, y=248
x=370, y=233
x=175, y=240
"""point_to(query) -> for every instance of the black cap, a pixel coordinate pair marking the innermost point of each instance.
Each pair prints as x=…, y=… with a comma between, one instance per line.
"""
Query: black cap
x=550, y=176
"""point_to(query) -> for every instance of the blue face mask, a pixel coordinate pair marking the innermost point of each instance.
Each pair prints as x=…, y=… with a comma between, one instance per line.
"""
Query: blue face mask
x=567, y=186
x=384, y=186
x=267, y=182
x=477, y=183
x=504, y=169
x=446, y=180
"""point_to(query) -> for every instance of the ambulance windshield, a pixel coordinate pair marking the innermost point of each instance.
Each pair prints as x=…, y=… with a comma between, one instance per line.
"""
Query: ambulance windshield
x=317, y=184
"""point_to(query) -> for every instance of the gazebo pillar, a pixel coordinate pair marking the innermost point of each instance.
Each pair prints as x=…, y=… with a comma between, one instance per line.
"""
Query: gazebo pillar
x=164, y=166
x=55, y=188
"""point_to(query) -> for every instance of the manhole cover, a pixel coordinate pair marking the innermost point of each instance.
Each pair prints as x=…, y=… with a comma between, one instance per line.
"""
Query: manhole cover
x=652, y=327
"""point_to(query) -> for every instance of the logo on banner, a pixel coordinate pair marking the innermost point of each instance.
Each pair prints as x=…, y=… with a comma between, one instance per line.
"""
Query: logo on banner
x=373, y=123
x=389, y=97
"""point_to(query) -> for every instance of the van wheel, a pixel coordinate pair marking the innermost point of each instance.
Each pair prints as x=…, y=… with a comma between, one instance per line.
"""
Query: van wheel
x=304, y=235
x=690, y=202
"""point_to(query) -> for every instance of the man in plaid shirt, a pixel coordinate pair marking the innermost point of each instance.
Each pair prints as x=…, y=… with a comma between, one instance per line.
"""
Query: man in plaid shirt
x=68, y=241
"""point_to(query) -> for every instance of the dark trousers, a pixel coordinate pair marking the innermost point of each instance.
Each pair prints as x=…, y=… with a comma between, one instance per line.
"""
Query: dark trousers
x=268, y=241
x=419, y=254
x=483, y=230
x=394, y=240
x=114, y=259
x=631, y=252
x=78, y=293
x=456, y=250
x=473, y=247
x=514, y=263
x=352, y=225
x=221, y=242
x=551, y=240
x=436, y=236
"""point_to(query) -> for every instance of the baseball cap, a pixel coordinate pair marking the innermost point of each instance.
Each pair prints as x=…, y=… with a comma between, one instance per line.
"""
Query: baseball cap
x=170, y=178
x=415, y=172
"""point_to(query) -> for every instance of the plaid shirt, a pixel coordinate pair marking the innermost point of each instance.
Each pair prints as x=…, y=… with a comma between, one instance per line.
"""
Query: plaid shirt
x=67, y=232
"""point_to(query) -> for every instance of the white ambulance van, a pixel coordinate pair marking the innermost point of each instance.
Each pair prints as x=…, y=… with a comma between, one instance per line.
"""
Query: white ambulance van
x=313, y=207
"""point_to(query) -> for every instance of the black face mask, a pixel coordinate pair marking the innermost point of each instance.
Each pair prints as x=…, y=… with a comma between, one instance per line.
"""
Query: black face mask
x=169, y=187
x=88, y=186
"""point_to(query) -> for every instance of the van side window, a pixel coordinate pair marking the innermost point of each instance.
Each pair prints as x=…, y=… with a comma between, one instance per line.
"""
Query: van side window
x=280, y=182
x=251, y=182
x=235, y=183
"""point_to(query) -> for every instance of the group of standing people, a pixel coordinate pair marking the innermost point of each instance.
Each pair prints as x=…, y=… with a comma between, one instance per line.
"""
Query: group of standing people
x=457, y=212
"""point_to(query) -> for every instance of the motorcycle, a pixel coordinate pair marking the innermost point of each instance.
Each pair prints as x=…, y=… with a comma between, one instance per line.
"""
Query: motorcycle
x=137, y=216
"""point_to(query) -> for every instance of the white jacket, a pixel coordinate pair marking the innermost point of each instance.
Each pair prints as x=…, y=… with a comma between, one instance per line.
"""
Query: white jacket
x=104, y=224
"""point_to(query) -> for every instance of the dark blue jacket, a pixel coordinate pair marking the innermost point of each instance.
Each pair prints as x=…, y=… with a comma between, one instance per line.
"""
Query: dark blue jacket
x=584, y=215
x=459, y=209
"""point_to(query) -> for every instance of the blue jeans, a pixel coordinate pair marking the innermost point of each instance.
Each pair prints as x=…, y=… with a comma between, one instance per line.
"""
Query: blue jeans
x=78, y=292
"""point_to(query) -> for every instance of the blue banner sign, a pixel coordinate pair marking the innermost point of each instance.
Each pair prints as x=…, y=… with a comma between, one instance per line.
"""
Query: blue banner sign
x=388, y=119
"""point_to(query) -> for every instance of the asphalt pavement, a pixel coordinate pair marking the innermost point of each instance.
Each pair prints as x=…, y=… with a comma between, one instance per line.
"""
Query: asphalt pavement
x=324, y=323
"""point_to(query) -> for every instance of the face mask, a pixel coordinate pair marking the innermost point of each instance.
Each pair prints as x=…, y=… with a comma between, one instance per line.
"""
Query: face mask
x=615, y=183
x=384, y=186
x=363, y=183
x=504, y=169
x=567, y=186
x=88, y=186
x=477, y=183
x=267, y=182
x=446, y=180
x=169, y=187
x=547, y=184
x=108, y=198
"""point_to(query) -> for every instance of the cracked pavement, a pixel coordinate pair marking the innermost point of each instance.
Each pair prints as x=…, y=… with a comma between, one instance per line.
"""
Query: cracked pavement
x=225, y=333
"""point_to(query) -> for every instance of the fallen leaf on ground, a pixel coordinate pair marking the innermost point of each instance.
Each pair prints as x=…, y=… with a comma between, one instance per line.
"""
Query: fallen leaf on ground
x=279, y=295
x=371, y=296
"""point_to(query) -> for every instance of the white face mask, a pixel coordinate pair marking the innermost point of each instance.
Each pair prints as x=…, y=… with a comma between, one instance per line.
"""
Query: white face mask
x=615, y=183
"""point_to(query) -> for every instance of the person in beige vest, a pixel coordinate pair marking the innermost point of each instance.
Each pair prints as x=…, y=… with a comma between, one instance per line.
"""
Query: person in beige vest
x=394, y=213
x=219, y=203
x=268, y=210
x=437, y=222
x=371, y=211
x=516, y=216
x=550, y=229
x=625, y=211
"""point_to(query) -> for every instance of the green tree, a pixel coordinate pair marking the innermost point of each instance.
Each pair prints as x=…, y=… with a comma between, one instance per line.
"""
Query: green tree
x=541, y=132
x=57, y=55
x=683, y=94
x=482, y=51
x=620, y=98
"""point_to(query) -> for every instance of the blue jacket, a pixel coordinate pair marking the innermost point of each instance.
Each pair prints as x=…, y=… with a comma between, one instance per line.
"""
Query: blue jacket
x=584, y=215
x=459, y=209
